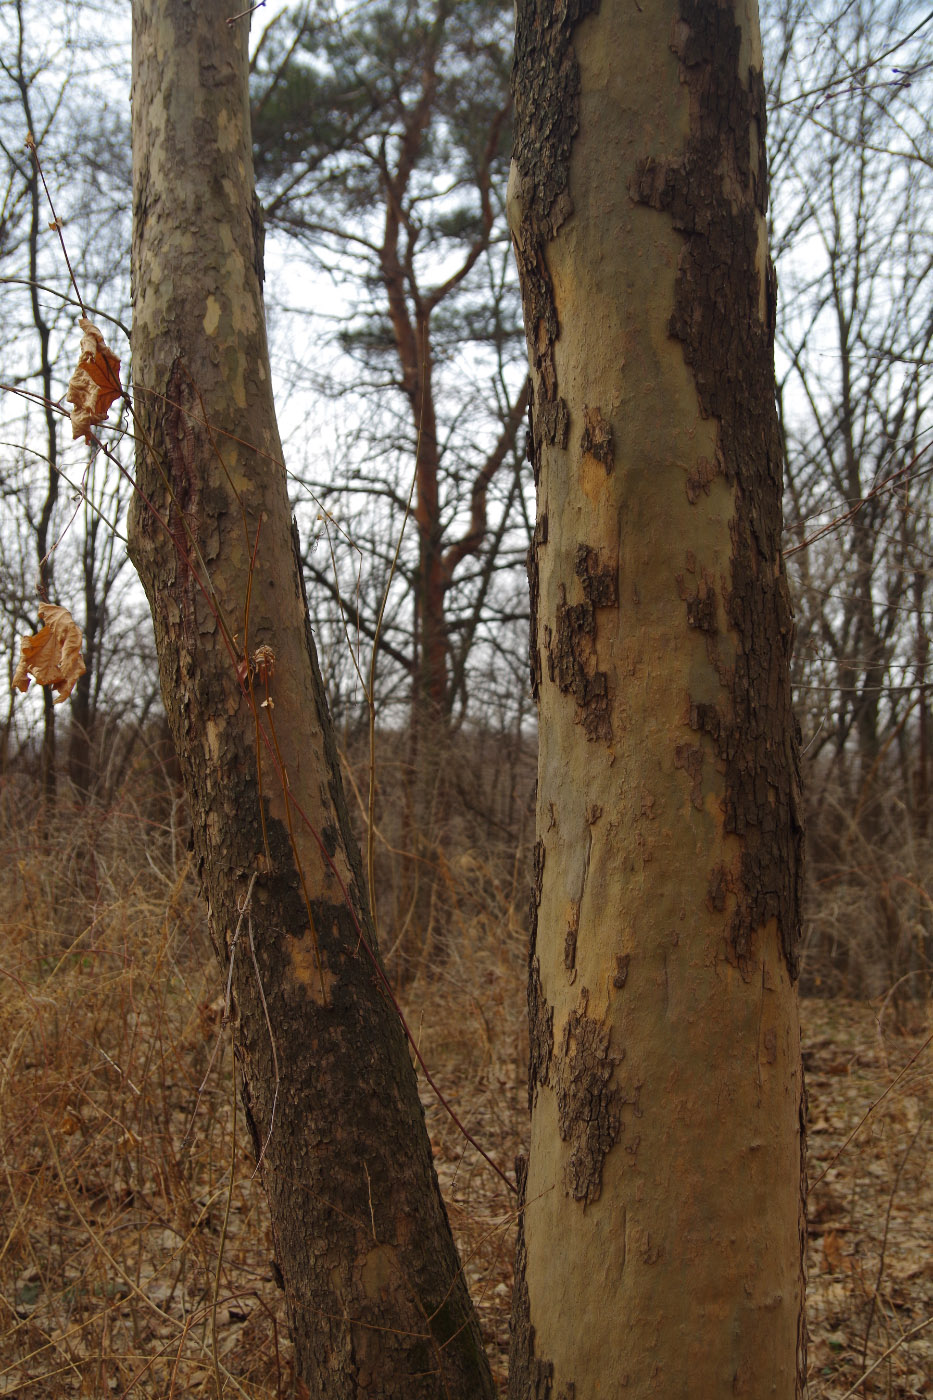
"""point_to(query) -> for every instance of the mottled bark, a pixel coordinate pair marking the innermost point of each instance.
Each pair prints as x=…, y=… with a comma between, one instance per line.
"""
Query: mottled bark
x=376, y=1300
x=662, y=1238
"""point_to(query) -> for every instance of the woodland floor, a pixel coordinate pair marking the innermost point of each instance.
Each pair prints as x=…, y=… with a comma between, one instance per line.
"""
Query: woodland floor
x=131, y=1266
x=870, y=1298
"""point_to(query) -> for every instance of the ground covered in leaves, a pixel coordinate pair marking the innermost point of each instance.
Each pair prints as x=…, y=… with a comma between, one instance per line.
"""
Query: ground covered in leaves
x=134, y=1244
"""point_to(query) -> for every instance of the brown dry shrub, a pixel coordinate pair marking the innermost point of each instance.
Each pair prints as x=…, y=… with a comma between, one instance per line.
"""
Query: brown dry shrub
x=113, y=1210
x=117, y=1106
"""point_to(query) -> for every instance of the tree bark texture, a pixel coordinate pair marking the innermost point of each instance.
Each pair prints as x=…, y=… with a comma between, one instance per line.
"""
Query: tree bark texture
x=376, y=1299
x=661, y=1250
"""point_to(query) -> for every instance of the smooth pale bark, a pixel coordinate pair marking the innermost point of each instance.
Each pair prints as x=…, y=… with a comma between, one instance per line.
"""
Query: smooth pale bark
x=662, y=1243
x=376, y=1299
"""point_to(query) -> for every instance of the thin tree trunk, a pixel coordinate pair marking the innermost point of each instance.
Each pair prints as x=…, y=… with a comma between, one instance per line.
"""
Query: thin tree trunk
x=79, y=731
x=922, y=775
x=662, y=1238
x=376, y=1299
x=44, y=541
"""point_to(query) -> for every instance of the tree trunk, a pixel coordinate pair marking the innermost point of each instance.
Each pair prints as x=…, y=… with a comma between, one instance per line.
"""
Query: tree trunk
x=79, y=731
x=45, y=542
x=663, y=1230
x=922, y=774
x=376, y=1299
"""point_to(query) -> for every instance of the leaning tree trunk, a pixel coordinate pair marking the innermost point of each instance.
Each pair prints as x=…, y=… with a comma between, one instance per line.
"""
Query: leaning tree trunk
x=376, y=1300
x=663, y=1229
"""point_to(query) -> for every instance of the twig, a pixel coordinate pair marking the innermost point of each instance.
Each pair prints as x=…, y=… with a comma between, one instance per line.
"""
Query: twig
x=244, y=13
x=56, y=221
x=275, y=1058
x=888, y=484
x=244, y=907
x=223, y=1229
x=905, y=1337
x=884, y=1238
x=99, y=315
x=867, y=1114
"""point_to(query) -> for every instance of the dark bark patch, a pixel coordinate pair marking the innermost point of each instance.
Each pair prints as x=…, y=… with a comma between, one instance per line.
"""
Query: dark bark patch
x=697, y=590
x=715, y=196
x=720, y=885
x=248, y=1115
x=531, y=452
x=540, y=1033
x=572, y=661
x=620, y=976
x=537, y=881
x=553, y=419
x=706, y=719
x=588, y=1106
x=546, y=87
x=539, y=538
x=700, y=478
x=689, y=758
x=570, y=951
x=570, y=942
x=597, y=438
x=183, y=477
x=600, y=580
x=529, y=1377
x=258, y=226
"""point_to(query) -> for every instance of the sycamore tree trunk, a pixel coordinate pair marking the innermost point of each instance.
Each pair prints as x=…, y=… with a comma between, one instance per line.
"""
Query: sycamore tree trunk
x=376, y=1299
x=663, y=1230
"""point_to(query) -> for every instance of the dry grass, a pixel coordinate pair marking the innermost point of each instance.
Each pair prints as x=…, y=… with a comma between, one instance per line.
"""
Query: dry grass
x=113, y=1199
x=870, y=1208
x=118, y=1159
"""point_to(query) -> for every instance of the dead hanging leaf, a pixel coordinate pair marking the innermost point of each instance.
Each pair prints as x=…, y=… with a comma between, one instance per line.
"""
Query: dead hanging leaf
x=53, y=656
x=95, y=383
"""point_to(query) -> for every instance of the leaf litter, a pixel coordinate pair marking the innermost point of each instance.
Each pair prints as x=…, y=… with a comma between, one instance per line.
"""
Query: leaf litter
x=111, y=1231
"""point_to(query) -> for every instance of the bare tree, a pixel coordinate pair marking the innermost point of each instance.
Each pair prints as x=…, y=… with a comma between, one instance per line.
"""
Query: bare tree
x=62, y=506
x=381, y=141
x=376, y=1298
x=853, y=175
x=662, y=1247
x=852, y=144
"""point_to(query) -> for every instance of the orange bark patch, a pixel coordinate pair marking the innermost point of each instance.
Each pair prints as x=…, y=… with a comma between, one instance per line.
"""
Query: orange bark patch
x=307, y=969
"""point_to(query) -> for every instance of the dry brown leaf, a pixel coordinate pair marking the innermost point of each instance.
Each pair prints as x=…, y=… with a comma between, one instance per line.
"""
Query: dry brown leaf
x=53, y=656
x=95, y=384
x=836, y=1258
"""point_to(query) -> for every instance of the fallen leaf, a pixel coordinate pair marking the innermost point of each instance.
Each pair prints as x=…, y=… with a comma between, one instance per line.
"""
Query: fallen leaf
x=95, y=383
x=53, y=656
x=836, y=1259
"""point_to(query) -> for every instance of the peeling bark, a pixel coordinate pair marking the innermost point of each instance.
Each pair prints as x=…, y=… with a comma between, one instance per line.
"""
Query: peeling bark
x=723, y=320
x=663, y=1185
x=572, y=645
x=375, y=1294
x=539, y=194
x=587, y=1103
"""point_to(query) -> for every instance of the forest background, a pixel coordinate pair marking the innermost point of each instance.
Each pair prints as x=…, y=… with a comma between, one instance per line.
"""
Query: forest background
x=135, y=1257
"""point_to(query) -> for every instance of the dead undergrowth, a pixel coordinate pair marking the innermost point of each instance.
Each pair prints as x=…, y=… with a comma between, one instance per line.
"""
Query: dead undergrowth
x=134, y=1244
